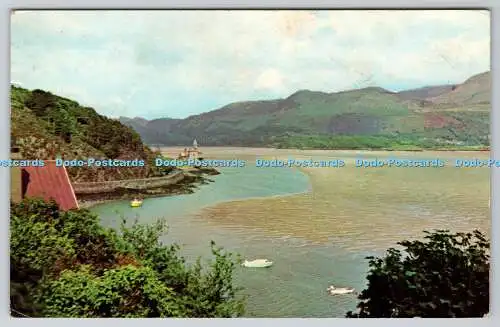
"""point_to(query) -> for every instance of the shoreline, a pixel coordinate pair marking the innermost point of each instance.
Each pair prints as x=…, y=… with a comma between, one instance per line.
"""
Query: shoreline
x=198, y=176
x=163, y=148
x=87, y=204
x=188, y=185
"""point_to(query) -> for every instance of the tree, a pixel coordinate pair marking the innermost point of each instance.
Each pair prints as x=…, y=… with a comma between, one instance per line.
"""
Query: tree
x=65, y=264
x=35, y=246
x=208, y=290
x=40, y=102
x=127, y=291
x=64, y=123
x=446, y=276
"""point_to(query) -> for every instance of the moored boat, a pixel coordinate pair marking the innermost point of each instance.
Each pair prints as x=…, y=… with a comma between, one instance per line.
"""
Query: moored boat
x=258, y=263
x=135, y=203
x=332, y=290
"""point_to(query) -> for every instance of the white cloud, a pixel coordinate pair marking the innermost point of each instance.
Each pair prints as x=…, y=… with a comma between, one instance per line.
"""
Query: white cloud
x=181, y=62
x=269, y=79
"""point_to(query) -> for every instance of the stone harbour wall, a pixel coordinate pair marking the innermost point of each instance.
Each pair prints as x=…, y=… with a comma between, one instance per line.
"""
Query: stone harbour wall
x=132, y=184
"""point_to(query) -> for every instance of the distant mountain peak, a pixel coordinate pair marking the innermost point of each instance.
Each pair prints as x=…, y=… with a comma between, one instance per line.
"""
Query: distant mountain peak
x=364, y=111
x=423, y=93
x=475, y=90
x=375, y=89
x=484, y=76
x=305, y=92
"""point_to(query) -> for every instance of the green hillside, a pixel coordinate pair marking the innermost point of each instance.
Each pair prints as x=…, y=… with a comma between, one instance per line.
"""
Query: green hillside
x=426, y=92
x=46, y=126
x=476, y=90
x=365, y=118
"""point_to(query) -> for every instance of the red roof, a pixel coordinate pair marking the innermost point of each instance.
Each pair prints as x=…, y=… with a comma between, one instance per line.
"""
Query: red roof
x=49, y=182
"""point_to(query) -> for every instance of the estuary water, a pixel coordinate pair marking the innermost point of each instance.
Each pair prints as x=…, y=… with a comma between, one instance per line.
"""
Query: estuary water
x=316, y=224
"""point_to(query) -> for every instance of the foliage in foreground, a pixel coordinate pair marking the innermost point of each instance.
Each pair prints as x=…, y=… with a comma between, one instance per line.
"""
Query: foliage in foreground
x=64, y=264
x=445, y=277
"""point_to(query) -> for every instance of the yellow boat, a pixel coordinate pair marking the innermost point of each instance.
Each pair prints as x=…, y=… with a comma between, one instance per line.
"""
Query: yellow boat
x=135, y=203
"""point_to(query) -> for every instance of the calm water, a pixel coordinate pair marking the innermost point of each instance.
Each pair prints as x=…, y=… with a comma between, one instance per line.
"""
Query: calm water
x=316, y=224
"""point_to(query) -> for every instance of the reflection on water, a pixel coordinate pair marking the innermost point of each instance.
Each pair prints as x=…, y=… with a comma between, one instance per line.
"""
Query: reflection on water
x=321, y=233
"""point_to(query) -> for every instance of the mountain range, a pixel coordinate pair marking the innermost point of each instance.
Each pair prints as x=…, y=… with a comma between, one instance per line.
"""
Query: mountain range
x=446, y=114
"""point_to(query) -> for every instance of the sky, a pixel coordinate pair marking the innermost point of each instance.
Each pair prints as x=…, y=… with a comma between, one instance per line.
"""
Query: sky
x=175, y=64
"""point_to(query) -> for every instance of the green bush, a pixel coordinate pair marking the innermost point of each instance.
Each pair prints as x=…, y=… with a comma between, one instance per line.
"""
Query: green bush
x=40, y=102
x=64, y=264
x=123, y=292
x=445, y=277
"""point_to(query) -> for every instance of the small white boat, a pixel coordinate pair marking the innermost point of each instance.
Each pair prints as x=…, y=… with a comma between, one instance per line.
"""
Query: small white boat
x=258, y=263
x=340, y=290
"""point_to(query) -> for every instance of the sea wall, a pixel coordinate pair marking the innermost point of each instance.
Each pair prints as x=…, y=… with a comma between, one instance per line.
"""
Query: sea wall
x=131, y=184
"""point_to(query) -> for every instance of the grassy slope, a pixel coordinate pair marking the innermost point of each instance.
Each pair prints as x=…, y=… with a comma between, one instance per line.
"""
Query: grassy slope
x=426, y=92
x=37, y=119
x=369, y=112
x=476, y=90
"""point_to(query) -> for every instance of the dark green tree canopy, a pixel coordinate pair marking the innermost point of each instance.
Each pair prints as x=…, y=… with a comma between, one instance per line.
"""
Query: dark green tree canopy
x=444, y=276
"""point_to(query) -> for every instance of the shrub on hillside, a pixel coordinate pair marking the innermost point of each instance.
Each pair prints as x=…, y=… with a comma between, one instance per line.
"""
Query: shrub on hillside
x=40, y=102
x=64, y=264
